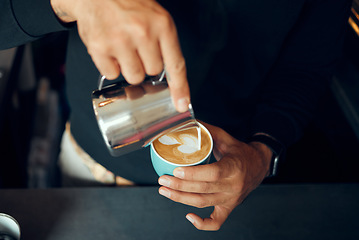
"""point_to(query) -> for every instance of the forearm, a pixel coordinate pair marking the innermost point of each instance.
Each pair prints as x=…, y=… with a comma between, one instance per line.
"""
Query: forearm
x=23, y=21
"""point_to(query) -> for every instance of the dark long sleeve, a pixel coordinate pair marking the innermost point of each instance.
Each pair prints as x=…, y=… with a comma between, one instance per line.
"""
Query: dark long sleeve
x=23, y=21
x=303, y=70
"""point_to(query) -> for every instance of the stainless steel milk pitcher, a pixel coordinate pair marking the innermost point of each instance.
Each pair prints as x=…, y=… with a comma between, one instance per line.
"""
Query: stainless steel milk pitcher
x=132, y=116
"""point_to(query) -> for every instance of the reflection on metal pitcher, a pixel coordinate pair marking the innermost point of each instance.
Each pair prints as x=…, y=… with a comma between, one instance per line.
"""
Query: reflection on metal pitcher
x=132, y=116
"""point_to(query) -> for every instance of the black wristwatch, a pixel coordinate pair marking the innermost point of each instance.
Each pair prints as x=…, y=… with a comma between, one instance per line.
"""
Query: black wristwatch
x=277, y=148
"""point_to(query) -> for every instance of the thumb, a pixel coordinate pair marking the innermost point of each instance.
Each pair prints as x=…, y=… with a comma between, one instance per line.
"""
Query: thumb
x=213, y=223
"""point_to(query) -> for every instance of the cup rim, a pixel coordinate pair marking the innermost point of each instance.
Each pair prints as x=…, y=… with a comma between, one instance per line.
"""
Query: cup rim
x=192, y=164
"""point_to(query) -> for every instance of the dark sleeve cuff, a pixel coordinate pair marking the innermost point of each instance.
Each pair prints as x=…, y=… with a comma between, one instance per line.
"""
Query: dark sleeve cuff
x=36, y=17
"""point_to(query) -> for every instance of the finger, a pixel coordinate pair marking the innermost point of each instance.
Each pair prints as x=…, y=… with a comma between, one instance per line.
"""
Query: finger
x=150, y=54
x=175, y=68
x=210, y=172
x=131, y=65
x=107, y=66
x=192, y=186
x=213, y=223
x=199, y=200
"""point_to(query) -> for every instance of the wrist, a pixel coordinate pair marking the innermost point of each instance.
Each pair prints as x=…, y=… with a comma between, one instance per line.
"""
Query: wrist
x=265, y=154
x=275, y=146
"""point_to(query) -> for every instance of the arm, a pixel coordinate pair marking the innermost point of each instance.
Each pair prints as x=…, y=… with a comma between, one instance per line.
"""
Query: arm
x=288, y=99
x=22, y=21
x=132, y=37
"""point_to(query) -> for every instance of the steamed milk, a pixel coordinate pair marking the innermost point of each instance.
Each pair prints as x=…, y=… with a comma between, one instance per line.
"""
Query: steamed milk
x=182, y=147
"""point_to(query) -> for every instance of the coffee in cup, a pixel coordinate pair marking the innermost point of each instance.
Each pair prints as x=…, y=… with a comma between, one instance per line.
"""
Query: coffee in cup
x=181, y=148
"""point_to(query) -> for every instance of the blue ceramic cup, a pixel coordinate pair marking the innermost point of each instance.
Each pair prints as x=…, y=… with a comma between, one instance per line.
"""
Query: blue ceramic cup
x=164, y=167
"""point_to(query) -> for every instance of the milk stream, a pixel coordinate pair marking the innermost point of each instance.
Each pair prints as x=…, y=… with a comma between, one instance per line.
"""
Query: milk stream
x=199, y=135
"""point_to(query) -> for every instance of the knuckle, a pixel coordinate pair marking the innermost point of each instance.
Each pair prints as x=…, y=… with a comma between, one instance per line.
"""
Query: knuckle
x=141, y=30
x=175, y=198
x=216, y=174
x=176, y=185
x=154, y=69
x=189, y=174
x=94, y=48
x=201, y=203
x=164, y=21
x=205, y=188
x=98, y=47
x=177, y=66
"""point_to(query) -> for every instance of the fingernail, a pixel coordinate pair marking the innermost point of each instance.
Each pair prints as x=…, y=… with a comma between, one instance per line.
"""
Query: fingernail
x=182, y=104
x=164, y=192
x=164, y=182
x=189, y=218
x=178, y=173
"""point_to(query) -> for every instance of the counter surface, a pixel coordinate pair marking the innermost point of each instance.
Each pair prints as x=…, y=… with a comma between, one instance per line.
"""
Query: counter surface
x=272, y=211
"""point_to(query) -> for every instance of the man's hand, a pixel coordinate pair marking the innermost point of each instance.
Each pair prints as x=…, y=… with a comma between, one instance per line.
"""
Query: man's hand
x=132, y=37
x=239, y=169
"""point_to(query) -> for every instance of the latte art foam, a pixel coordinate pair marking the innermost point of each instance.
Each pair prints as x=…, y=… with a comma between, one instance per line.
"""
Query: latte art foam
x=188, y=144
x=181, y=147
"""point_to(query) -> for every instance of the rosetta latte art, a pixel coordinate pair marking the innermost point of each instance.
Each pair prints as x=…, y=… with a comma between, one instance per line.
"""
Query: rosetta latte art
x=187, y=143
x=181, y=147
